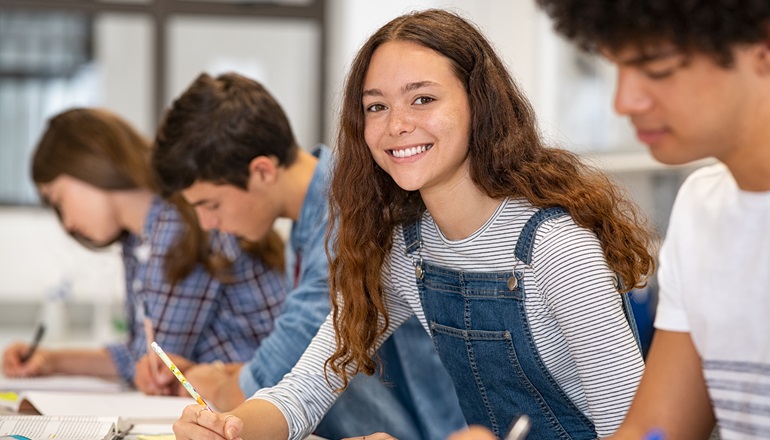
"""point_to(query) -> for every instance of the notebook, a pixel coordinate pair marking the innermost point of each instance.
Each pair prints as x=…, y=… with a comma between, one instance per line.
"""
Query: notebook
x=63, y=427
x=133, y=407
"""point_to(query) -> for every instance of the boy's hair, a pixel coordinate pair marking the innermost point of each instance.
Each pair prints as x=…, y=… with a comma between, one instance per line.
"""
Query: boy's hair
x=712, y=27
x=213, y=131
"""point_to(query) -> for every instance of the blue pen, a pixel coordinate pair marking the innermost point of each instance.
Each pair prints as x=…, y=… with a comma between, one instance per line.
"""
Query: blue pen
x=654, y=434
x=17, y=437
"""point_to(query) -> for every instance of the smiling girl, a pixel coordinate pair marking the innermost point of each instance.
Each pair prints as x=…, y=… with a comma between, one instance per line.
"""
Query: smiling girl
x=512, y=255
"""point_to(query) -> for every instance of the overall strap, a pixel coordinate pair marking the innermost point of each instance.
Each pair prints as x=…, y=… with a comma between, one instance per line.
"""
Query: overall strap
x=526, y=240
x=524, y=253
x=412, y=236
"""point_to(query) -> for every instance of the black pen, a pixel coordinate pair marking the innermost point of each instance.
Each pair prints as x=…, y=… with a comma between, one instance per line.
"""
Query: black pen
x=519, y=429
x=35, y=342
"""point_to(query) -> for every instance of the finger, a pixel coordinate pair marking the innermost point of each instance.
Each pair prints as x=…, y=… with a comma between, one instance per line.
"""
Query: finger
x=374, y=436
x=473, y=433
x=139, y=379
x=35, y=365
x=12, y=356
x=227, y=425
x=184, y=429
x=232, y=426
x=162, y=376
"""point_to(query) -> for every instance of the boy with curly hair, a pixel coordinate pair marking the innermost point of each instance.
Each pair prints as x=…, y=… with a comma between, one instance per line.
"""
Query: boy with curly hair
x=694, y=80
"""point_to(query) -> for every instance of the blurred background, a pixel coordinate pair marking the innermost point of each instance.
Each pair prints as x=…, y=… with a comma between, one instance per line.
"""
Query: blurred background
x=135, y=56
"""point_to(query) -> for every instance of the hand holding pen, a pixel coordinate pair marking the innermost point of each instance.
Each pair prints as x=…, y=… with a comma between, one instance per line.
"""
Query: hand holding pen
x=22, y=360
x=201, y=421
x=149, y=335
x=39, y=332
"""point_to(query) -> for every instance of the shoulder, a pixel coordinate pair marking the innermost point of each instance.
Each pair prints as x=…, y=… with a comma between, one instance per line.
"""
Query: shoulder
x=560, y=234
x=704, y=181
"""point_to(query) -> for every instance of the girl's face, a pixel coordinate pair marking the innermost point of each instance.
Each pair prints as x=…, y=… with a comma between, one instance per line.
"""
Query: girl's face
x=84, y=209
x=417, y=118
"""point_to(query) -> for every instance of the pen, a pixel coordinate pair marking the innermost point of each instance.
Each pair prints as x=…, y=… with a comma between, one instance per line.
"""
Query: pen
x=183, y=380
x=655, y=434
x=35, y=342
x=149, y=335
x=519, y=429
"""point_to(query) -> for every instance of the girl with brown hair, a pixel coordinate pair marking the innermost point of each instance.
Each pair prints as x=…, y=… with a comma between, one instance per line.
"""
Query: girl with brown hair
x=208, y=297
x=448, y=205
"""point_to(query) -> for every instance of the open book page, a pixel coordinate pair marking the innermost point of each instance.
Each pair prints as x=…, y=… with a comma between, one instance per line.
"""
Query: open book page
x=63, y=427
x=133, y=406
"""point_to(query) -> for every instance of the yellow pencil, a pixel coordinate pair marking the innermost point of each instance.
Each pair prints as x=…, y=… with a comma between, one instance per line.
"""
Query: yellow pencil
x=183, y=380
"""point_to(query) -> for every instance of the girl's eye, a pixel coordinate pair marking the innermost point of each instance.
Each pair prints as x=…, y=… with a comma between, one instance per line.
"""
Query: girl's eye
x=423, y=100
x=375, y=108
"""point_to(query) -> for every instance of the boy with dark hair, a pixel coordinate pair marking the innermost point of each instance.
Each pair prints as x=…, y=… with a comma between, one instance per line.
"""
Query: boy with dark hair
x=227, y=147
x=694, y=80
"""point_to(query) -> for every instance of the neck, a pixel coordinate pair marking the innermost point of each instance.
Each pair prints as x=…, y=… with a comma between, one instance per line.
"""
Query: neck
x=294, y=183
x=132, y=208
x=749, y=161
x=461, y=210
x=751, y=169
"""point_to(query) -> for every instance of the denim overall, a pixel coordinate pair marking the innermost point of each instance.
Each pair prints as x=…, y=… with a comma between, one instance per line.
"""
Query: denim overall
x=479, y=327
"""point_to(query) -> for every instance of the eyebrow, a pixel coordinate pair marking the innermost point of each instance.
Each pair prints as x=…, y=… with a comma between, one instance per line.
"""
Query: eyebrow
x=410, y=87
x=649, y=57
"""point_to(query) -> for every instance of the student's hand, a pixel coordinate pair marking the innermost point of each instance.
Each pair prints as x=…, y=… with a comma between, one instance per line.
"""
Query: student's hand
x=40, y=364
x=473, y=433
x=197, y=422
x=375, y=436
x=217, y=383
x=152, y=376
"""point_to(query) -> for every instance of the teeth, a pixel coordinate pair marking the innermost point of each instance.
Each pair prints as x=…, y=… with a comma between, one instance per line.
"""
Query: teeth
x=409, y=152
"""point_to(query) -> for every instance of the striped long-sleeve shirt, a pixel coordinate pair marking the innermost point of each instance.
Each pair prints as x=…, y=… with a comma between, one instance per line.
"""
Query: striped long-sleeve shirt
x=574, y=310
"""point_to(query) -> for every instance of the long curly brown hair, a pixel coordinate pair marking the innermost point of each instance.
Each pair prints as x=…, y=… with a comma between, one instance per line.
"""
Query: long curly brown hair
x=507, y=159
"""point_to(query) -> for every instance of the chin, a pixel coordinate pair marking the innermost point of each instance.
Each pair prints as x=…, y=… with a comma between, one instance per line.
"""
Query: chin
x=672, y=159
x=408, y=185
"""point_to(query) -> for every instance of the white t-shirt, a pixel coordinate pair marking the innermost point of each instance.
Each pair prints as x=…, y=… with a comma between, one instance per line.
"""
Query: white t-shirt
x=715, y=284
x=574, y=311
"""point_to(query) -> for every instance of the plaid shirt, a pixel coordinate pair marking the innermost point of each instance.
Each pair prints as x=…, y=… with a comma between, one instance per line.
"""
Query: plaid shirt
x=200, y=318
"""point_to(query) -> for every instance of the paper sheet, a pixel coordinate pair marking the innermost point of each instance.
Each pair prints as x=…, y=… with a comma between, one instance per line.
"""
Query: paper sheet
x=60, y=383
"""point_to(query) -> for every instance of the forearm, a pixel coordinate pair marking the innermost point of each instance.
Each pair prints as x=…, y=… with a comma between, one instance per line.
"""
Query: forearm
x=261, y=420
x=94, y=362
x=672, y=395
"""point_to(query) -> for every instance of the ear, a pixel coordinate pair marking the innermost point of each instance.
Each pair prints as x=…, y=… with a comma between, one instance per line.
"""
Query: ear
x=263, y=171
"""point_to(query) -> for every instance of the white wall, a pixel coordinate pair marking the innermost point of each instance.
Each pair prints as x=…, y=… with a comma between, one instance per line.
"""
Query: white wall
x=512, y=27
x=36, y=256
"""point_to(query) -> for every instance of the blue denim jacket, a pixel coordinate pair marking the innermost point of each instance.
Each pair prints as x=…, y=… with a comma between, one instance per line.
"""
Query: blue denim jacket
x=417, y=402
